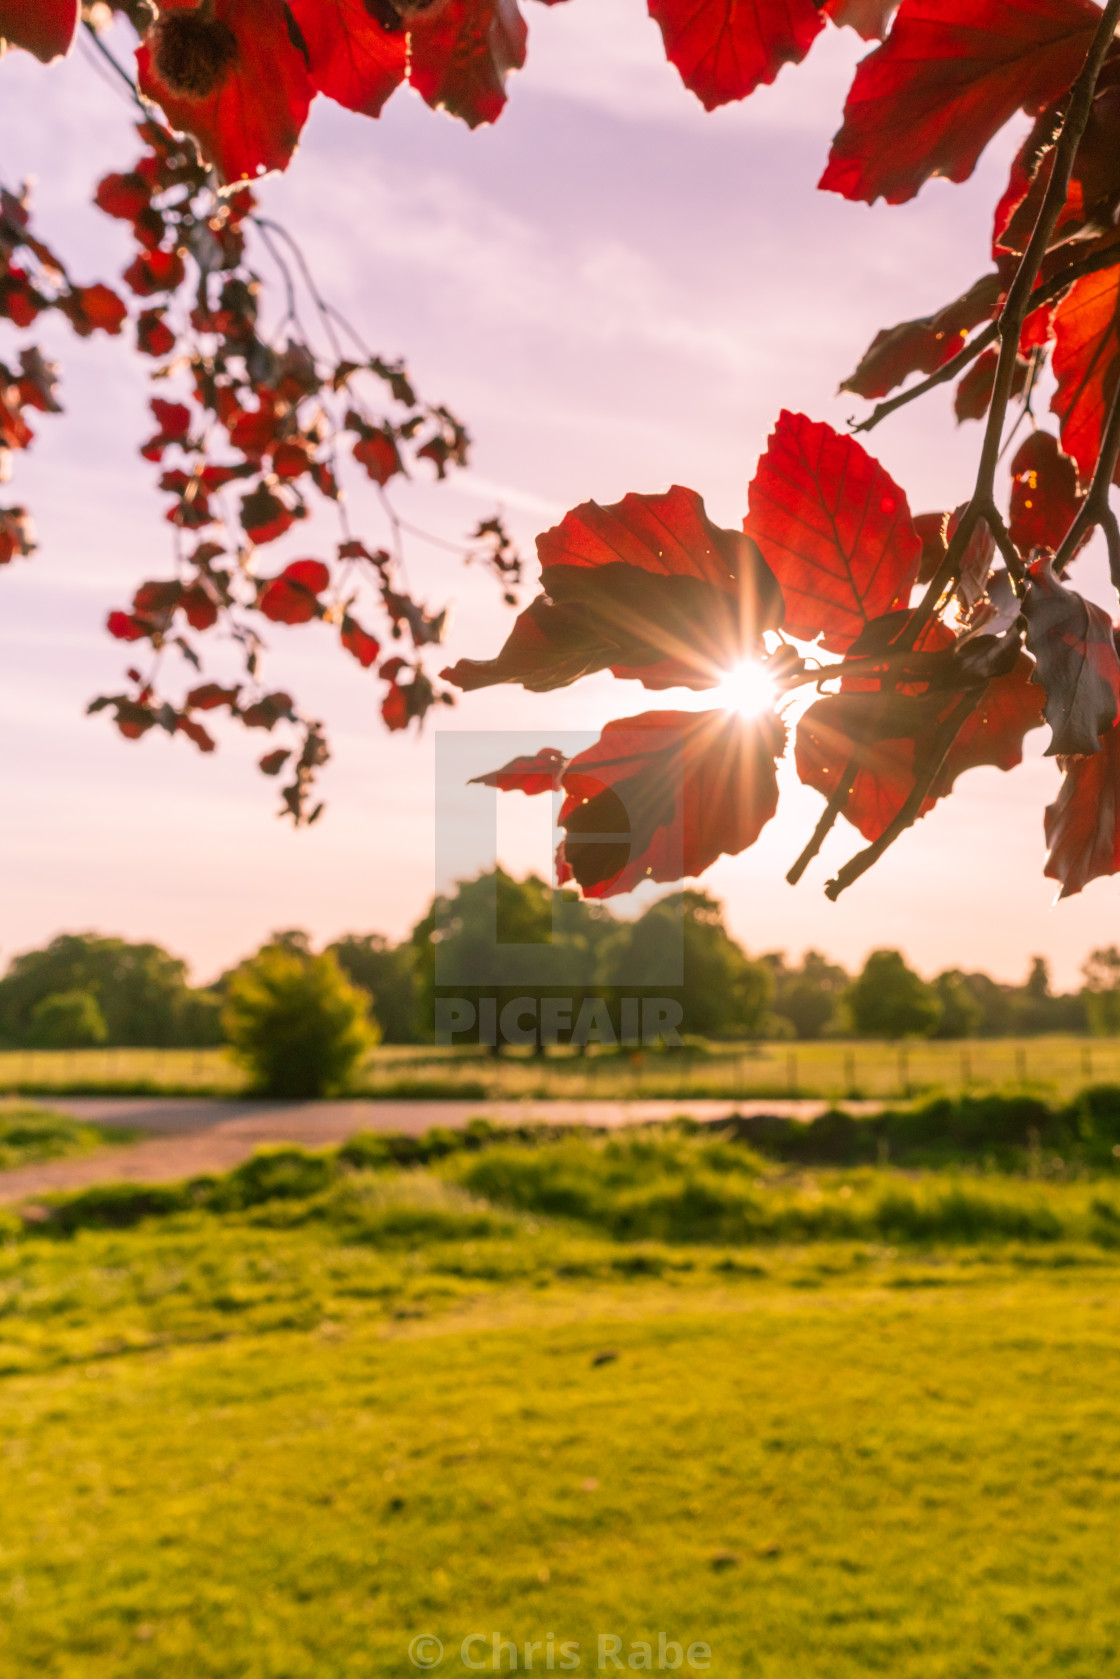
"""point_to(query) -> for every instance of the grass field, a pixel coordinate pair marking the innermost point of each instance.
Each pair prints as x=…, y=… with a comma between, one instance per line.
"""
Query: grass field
x=1055, y=1066
x=284, y=1439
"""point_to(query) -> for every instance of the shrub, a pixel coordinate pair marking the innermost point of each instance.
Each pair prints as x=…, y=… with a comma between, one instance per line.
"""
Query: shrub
x=67, y=1020
x=296, y=1023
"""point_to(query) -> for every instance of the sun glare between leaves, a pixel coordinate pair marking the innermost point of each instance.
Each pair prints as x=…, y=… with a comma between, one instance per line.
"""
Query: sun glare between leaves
x=747, y=689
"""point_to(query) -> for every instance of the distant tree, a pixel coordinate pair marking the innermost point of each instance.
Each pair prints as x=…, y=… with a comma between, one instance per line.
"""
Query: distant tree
x=807, y=996
x=388, y=973
x=961, y=1011
x=499, y=938
x=141, y=991
x=724, y=993
x=1036, y=1009
x=67, y=1020
x=889, y=1000
x=1102, y=991
x=296, y=1023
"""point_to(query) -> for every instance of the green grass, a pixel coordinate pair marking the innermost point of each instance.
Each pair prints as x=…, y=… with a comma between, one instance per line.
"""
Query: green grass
x=29, y=1135
x=1055, y=1067
x=281, y=1440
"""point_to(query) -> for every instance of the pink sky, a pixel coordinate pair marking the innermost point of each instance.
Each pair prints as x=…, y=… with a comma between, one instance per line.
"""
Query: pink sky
x=618, y=292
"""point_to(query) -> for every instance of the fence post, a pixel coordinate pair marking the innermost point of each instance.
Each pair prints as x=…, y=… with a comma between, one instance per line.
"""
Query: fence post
x=1021, y=1064
x=791, y=1072
x=850, y=1071
x=1086, y=1061
x=904, y=1069
x=966, y=1067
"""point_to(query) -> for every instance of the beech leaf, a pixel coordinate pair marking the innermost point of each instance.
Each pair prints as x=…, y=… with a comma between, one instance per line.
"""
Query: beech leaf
x=1044, y=496
x=1083, y=823
x=724, y=49
x=351, y=57
x=45, y=28
x=661, y=796
x=1086, y=364
x=835, y=530
x=1072, y=640
x=947, y=78
x=539, y=773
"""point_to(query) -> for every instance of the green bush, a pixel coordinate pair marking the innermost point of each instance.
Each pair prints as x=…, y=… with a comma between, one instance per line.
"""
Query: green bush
x=296, y=1023
x=67, y=1020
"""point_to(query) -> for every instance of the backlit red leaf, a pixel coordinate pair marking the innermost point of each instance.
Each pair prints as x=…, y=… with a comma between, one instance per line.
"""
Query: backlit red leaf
x=868, y=18
x=351, y=57
x=364, y=646
x=661, y=796
x=292, y=597
x=95, y=308
x=539, y=773
x=647, y=587
x=43, y=27
x=843, y=726
x=378, y=453
x=1086, y=364
x=230, y=74
x=948, y=76
x=724, y=49
x=460, y=54
x=1072, y=640
x=835, y=530
x=1044, y=498
x=924, y=345
x=1083, y=823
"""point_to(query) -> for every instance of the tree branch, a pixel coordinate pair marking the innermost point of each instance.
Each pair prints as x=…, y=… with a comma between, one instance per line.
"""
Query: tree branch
x=1042, y=295
x=910, y=811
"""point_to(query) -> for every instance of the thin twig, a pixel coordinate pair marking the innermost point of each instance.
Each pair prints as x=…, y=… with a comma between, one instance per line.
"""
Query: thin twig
x=1054, y=287
x=942, y=743
x=91, y=35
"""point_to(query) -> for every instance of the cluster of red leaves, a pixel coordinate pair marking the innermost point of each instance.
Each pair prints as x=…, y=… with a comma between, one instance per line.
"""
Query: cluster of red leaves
x=32, y=281
x=829, y=555
x=261, y=430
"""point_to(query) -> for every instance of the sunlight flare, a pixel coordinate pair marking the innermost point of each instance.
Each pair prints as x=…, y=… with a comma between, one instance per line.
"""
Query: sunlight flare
x=748, y=689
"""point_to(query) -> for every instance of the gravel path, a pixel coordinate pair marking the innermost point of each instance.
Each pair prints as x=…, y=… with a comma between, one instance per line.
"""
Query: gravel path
x=189, y=1136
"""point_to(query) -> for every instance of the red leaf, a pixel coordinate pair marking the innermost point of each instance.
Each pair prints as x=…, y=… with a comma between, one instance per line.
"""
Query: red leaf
x=43, y=27
x=1044, y=498
x=992, y=735
x=230, y=75
x=835, y=530
x=948, y=76
x=924, y=345
x=273, y=762
x=17, y=534
x=292, y=597
x=538, y=774
x=194, y=731
x=661, y=796
x=269, y=710
x=379, y=455
x=211, y=695
x=364, y=646
x=868, y=18
x=1072, y=639
x=1086, y=352
x=125, y=627
x=264, y=516
x=974, y=392
x=155, y=271
x=123, y=196
x=460, y=54
x=351, y=57
x=1083, y=823
x=648, y=587
x=94, y=309
x=200, y=609
x=153, y=336
x=724, y=49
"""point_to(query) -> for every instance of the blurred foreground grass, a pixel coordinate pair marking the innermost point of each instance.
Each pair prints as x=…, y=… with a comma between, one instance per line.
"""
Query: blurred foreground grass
x=1057, y=1066
x=320, y=1407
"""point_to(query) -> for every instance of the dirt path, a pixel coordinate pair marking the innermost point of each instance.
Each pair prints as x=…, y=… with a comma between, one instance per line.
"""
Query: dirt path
x=188, y=1137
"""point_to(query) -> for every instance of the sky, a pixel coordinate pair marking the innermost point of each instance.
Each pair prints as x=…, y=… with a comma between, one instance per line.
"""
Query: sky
x=618, y=292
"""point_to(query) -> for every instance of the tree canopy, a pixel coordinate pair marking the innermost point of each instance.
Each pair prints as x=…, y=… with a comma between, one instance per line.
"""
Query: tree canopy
x=928, y=643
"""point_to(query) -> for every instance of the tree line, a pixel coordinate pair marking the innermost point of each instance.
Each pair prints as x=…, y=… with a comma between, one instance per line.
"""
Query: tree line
x=86, y=990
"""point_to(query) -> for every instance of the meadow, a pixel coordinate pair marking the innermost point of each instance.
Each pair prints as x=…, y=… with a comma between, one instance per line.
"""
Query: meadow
x=831, y=1421
x=1055, y=1066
